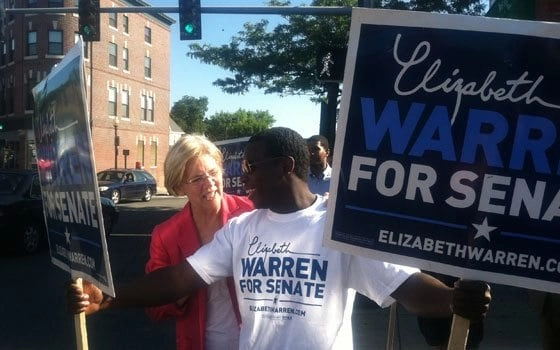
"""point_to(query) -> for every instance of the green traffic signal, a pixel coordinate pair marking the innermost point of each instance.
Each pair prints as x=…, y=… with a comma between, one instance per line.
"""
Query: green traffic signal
x=189, y=19
x=189, y=28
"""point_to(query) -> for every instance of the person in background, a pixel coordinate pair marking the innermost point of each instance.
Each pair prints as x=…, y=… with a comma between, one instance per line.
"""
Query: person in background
x=436, y=330
x=291, y=289
x=208, y=319
x=319, y=168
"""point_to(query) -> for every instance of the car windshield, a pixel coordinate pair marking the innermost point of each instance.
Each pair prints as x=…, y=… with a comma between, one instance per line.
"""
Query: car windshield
x=9, y=182
x=112, y=176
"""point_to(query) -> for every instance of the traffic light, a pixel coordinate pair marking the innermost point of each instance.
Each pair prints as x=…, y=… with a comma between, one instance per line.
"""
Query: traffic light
x=189, y=20
x=88, y=10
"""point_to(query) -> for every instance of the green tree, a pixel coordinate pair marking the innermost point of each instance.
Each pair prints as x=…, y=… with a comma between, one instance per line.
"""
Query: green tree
x=225, y=125
x=189, y=113
x=284, y=59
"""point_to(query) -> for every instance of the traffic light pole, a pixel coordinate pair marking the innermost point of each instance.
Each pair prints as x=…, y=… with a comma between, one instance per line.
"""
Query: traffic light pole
x=258, y=10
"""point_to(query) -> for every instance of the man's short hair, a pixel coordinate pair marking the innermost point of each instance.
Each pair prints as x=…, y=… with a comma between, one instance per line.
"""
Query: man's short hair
x=280, y=141
x=323, y=141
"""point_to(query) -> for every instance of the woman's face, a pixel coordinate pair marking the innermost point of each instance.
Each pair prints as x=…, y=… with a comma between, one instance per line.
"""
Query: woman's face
x=203, y=182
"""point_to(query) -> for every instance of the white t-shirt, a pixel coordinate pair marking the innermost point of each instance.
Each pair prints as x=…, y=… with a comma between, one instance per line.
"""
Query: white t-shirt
x=222, y=330
x=291, y=290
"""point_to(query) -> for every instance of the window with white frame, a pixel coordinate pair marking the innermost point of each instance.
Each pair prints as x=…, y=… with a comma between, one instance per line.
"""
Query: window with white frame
x=147, y=67
x=150, y=108
x=125, y=109
x=125, y=58
x=125, y=24
x=148, y=35
x=55, y=42
x=113, y=19
x=143, y=110
x=112, y=101
x=112, y=54
x=31, y=43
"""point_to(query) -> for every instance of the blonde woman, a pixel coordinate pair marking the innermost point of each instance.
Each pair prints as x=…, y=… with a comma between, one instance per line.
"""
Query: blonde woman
x=208, y=319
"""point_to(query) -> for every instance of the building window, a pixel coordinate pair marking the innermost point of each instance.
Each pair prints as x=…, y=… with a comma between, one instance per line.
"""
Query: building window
x=113, y=19
x=31, y=43
x=150, y=116
x=112, y=101
x=153, y=151
x=124, y=104
x=125, y=58
x=112, y=54
x=31, y=3
x=147, y=67
x=125, y=24
x=56, y=3
x=12, y=50
x=55, y=42
x=143, y=110
x=140, y=150
x=148, y=35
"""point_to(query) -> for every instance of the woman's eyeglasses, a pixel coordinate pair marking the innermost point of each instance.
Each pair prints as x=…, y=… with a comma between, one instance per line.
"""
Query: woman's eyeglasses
x=248, y=168
x=197, y=180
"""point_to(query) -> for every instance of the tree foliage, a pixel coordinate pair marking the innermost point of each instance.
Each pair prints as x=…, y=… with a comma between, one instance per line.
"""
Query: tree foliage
x=189, y=113
x=284, y=60
x=225, y=125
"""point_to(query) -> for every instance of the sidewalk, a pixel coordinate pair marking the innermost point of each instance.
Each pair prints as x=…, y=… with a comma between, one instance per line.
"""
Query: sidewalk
x=511, y=324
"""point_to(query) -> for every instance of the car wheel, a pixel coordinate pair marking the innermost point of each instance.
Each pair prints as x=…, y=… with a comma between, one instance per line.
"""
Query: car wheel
x=30, y=240
x=116, y=196
x=147, y=195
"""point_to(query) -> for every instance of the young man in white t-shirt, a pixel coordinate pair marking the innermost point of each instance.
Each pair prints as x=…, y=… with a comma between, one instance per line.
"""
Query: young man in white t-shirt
x=291, y=290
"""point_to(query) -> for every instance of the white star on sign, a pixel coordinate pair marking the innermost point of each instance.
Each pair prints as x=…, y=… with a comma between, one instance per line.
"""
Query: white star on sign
x=67, y=234
x=483, y=230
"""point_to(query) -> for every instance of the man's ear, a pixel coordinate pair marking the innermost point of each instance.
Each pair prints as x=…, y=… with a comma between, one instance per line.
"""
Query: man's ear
x=289, y=164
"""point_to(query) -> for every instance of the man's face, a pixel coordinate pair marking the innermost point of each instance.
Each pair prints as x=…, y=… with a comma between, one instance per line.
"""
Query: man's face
x=317, y=154
x=261, y=175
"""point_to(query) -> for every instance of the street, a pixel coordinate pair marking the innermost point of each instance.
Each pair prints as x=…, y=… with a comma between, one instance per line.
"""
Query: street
x=34, y=315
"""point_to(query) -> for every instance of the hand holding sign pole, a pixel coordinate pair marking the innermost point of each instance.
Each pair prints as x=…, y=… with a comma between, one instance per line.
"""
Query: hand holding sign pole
x=459, y=333
x=80, y=326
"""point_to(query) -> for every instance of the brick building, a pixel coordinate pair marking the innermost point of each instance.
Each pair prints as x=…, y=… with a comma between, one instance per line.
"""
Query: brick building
x=127, y=74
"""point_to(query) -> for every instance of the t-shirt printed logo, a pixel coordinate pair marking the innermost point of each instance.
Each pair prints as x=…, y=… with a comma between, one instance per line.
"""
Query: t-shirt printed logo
x=280, y=280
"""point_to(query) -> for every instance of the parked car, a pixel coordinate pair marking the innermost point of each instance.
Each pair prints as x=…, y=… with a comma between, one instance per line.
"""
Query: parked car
x=22, y=222
x=126, y=184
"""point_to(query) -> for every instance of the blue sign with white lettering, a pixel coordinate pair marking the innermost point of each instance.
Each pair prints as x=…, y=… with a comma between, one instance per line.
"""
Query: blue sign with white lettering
x=448, y=147
x=232, y=152
x=66, y=167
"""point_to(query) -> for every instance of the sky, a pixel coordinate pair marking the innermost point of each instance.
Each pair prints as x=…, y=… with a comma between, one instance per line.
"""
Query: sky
x=189, y=77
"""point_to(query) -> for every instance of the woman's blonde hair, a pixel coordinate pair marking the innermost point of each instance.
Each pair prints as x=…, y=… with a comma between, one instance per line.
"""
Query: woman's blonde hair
x=187, y=148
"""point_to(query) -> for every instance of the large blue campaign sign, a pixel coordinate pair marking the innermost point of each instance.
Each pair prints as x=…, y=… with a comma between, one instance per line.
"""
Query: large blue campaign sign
x=447, y=151
x=67, y=171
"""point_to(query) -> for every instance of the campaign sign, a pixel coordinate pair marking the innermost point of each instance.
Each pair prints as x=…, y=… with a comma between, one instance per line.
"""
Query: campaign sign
x=233, y=151
x=67, y=171
x=447, y=153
